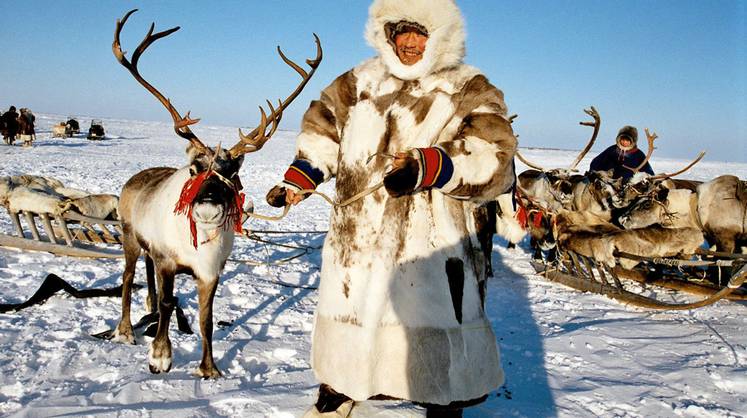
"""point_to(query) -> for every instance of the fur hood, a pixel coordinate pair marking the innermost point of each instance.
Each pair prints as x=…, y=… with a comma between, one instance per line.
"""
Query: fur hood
x=441, y=18
x=627, y=131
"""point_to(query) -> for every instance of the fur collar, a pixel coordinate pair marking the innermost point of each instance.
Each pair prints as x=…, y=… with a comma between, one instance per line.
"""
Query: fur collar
x=442, y=19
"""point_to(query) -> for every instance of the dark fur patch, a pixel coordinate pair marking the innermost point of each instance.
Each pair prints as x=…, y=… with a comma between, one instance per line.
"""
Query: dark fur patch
x=351, y=180
x=346, y=286
x=455, y=274
x=320, y=120
x=421, y=108
x=341, y=95
x=478, y=92
x=398, y=214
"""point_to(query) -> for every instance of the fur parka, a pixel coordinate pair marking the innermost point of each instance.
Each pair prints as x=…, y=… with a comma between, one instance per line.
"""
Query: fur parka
x=402, y=287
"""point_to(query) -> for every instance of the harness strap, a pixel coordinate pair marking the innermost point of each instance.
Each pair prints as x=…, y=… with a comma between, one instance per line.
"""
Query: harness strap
x=694, y=215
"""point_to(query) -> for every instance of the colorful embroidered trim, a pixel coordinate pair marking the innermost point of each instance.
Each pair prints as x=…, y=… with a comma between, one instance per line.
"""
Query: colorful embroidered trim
x=436, y=167
x=303, y=175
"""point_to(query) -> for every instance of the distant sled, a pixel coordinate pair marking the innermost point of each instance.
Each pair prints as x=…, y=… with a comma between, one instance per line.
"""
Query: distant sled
x=96, y=131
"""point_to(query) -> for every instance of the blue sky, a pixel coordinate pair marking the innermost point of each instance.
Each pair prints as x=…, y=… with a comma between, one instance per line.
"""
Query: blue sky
x=677, y=67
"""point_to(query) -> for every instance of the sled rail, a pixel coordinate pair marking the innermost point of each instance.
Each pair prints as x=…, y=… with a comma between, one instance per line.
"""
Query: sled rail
x=584, y=274
x=69, y=234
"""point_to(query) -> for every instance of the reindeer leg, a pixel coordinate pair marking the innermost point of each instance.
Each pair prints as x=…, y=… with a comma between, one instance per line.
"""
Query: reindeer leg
x=150, y=277
x=124, y=332
x=725, y=242
x=537, y=253
x=206, y=292
x=159, y=355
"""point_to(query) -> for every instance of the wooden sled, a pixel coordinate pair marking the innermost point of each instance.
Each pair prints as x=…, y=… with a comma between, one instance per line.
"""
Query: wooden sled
x=584, y=274
x=69, y=234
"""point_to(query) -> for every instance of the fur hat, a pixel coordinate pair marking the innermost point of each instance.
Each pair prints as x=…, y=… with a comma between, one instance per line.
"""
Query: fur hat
x=629, y=132
x=441, y=20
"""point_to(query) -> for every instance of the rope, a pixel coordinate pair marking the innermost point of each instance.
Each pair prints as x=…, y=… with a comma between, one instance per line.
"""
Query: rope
x=344, y=203
x=329, y=200
x=303, y=251
x=675, y=262
x=266, y=231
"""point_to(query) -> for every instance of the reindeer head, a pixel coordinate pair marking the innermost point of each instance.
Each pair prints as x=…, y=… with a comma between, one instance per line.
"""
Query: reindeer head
x=211, y=195
x=648, y=210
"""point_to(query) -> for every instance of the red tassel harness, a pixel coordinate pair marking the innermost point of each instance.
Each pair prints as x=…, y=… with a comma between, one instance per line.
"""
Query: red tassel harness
x=189, y=192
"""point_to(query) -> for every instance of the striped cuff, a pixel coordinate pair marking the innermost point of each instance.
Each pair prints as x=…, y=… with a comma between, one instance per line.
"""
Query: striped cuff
x=303, y=176
x=436, y=167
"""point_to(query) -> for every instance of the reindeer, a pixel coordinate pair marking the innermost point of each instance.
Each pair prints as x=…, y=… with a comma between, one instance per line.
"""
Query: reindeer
x=102, y=206
x=717, y=207
x=541, y=192
x=593, y=236
x=184, y=219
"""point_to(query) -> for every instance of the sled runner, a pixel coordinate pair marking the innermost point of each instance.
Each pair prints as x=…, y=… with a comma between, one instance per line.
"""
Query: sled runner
x=631, y=286
x=70, y=234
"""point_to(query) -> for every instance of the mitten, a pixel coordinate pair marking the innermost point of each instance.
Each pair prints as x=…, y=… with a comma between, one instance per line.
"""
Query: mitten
x=424, y=168
x=301, y=175
x=276, y=196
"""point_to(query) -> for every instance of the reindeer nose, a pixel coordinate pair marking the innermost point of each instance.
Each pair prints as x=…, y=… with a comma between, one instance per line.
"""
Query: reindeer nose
x=210, y=195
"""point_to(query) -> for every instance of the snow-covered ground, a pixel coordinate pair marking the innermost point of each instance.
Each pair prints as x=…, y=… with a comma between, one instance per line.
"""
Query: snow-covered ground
x=565, y=353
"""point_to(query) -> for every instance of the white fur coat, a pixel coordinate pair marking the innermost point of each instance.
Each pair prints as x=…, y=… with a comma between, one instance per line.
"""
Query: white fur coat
x=400, y=305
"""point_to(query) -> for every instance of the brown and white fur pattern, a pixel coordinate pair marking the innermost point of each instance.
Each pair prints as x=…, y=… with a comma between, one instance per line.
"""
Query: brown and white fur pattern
x=402, y=287
x=592, y=236
x=146, y=210
x=102, y=206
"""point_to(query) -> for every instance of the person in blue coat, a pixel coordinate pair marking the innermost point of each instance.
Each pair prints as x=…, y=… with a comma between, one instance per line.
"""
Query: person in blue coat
x=622, y=157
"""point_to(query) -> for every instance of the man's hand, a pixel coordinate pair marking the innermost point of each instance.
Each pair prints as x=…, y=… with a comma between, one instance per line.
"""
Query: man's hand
x=280, y=196
x=403, y=176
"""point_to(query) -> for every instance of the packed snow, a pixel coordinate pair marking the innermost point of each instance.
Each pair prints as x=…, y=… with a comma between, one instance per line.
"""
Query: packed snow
x=565, y=353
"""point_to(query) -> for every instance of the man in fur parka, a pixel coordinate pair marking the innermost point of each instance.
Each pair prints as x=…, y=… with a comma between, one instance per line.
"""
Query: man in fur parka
x=400, y=312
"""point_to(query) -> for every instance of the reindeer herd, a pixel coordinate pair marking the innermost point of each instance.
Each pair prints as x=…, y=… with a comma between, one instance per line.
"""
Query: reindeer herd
x=601, y=217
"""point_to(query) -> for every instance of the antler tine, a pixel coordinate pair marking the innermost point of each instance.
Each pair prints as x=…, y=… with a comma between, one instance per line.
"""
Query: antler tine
x=181, y=124
x=650, y=138
x=528, y=163
x=254, y=143
x=677, y=173
x=276, y=121
x=247, y=143
x=596, y=124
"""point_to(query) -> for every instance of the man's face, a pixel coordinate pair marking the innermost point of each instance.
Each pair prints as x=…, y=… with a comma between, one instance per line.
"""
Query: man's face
x=625, y=141
x=410, y=46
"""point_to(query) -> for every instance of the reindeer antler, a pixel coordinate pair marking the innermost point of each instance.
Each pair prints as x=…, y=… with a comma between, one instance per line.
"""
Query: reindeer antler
x=677, y=173
x=650, y=138
x=595, y=124
x=181, y=124
x=528, y=163
x=257, y=138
